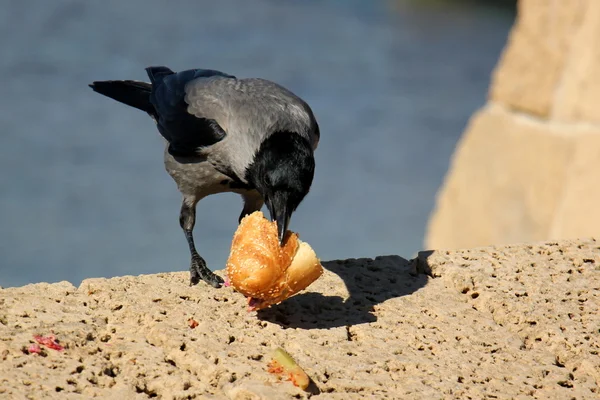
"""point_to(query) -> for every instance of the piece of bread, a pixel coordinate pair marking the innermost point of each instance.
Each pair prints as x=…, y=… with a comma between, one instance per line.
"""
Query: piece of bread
x=262, y=270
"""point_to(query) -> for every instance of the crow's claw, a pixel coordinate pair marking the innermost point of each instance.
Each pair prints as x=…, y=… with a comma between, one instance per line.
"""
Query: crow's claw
x=199, y=271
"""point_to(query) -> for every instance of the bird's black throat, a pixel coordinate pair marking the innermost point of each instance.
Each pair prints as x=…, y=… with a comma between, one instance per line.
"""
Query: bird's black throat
x=282, y=171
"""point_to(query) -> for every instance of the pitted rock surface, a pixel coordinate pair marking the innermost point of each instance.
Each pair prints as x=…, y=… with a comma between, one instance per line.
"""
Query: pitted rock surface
x=499, y=322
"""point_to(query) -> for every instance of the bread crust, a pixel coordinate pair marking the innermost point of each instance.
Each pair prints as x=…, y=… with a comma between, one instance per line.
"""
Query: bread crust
x=263, y=271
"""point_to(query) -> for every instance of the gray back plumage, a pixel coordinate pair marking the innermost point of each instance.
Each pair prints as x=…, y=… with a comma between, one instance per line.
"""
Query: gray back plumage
x=249, y=111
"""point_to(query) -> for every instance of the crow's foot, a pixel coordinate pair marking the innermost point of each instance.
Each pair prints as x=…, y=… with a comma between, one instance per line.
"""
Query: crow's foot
x=199, y=271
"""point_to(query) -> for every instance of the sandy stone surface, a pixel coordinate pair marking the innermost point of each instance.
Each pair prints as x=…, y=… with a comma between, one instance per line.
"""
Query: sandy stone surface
x=527, y=166
x=506, y=322
x=539, y=50
x=507, y=184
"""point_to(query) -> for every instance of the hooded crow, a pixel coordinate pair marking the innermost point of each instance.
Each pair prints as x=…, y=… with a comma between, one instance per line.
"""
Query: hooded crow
x=248, y=136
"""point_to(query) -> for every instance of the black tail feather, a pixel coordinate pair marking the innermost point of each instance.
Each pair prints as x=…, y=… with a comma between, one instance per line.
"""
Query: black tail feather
x=133, y=93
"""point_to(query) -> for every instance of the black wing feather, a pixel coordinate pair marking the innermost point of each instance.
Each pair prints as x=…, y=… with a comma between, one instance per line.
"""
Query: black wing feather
x=185, y=132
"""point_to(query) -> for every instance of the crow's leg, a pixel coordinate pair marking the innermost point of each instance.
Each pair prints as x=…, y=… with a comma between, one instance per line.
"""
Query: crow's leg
x=198, y=269
x=253, y=201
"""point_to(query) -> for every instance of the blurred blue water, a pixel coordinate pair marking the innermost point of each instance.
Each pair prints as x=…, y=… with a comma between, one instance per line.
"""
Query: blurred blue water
x=83, y=192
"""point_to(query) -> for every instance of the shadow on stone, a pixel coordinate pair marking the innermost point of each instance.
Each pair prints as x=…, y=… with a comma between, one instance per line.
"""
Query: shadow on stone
x=368, y=281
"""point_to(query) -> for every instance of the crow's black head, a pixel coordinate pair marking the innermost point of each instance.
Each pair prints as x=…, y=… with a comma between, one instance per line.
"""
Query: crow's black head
x=282, y=172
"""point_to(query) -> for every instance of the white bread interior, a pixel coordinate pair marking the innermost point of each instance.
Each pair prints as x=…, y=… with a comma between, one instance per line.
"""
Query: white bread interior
x=304, y=269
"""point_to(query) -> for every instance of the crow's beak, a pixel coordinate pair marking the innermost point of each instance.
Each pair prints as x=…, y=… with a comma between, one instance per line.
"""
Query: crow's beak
x=283, y=220
x=280, y=213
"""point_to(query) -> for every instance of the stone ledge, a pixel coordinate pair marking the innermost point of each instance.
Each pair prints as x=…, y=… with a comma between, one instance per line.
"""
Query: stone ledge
x=515, y=179
x=526, y=168
x=503, y=322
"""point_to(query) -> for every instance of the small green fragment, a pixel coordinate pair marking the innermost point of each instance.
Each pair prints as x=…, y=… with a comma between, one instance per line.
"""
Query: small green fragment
x=282, y=362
